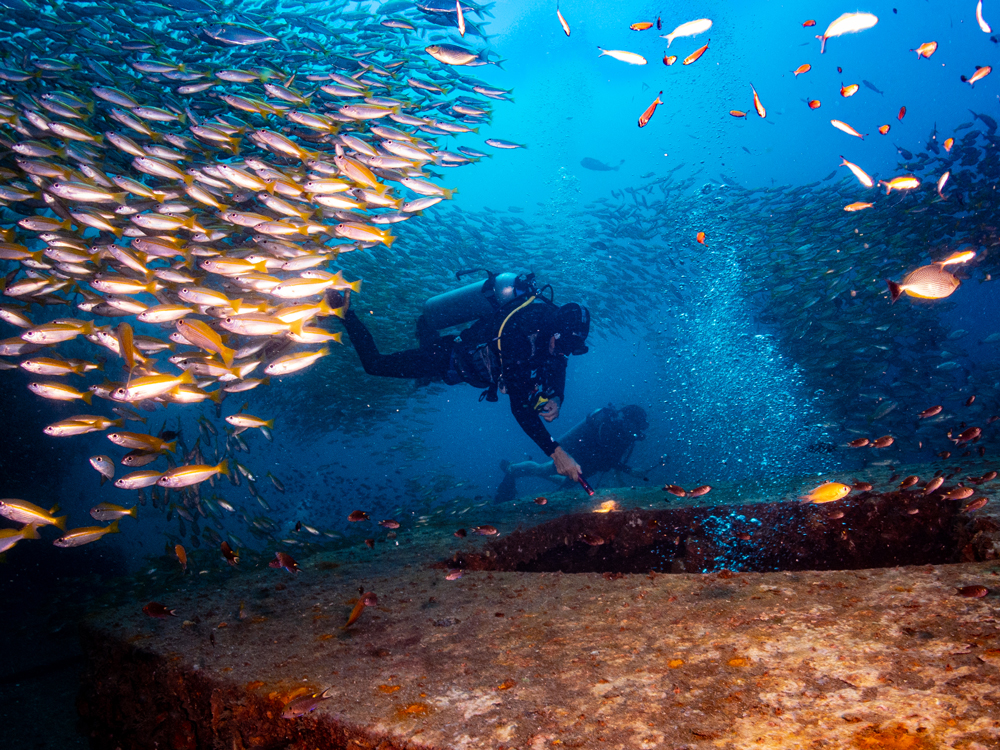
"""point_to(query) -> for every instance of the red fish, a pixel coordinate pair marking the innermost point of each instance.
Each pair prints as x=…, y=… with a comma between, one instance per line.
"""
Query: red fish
x=232, y=557
x=367, y=599
x=644, y=117
x=284, y=560
x=902, y=114
x=159, y=611
x=358, y=515
x=696, y=54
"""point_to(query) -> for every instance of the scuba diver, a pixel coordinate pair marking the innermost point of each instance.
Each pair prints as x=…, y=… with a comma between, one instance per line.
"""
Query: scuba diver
x=519, y=345
x=601, y=442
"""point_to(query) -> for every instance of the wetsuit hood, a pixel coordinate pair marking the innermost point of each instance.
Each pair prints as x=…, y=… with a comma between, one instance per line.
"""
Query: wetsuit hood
x=572, y=326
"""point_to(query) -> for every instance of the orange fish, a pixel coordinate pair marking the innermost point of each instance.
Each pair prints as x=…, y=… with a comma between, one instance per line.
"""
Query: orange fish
x=641, y=26
x=902, y=114
x=756, y=103
x=814, y=104
x=562, y=21
x=980, y=74
x=804, y=68
x=737, y=113
x=669, y=59
x=701, y=237
x=859, y=206
x=849, y=90
x=948, y=144
x=807, y=24
x=644, y=117
x=367, y=599
x=181, y=556
x=357, y=515
x=926, y=49
x=883, y=129
x=696, y=54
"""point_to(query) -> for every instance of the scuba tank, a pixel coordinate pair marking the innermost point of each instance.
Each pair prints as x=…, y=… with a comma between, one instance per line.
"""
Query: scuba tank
x=477, y=300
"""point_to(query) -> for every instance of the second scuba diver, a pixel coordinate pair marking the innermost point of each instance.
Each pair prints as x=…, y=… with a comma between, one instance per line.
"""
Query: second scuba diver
x=519, y=345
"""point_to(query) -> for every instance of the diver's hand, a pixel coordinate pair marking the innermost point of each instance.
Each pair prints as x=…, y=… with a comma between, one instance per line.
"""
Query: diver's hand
x=565, y=464
x=550, y=411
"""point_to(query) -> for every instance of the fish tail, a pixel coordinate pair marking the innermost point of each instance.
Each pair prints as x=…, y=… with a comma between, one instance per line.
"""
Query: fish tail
x=894, y=289
x=223, y=466
x=227, y=355
x=60, y=522
x=30, y=532
x=134, y=511
x=87, y=397
x=388, y=239
x=172, y=447
x=113, y=528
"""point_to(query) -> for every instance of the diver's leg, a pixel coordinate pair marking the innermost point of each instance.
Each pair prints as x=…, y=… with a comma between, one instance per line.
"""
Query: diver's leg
x=532, y=469
x=431, y=362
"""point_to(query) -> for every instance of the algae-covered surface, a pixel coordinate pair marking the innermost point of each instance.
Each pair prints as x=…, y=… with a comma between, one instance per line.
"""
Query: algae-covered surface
x=897, y=657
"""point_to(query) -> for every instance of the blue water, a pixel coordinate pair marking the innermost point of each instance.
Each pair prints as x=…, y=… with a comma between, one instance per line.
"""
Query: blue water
x=733, y=388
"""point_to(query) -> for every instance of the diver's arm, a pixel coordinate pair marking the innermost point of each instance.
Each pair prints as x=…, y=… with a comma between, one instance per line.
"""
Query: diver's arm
x=532, y=425
x=566, y=465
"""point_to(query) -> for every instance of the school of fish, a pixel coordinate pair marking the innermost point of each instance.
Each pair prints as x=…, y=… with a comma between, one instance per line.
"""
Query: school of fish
x=180, y=192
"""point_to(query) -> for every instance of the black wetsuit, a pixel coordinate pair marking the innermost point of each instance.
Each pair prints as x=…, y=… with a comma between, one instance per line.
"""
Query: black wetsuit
x=601, y=442
x=522, y=367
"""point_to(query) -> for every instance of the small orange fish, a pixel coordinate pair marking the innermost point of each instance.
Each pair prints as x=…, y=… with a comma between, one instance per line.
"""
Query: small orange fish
x=804, y=68
x=181, y=556
x=756, y=103
x=541, y=500
x=962, y=256
x=562, y=21
x=827, y=492
x=673, y=489
x=909, y=482
x=644, y=117
x=484, y=530
x=883, y=129
x=926, y=49
x=902, y=114
x=701, y=237
x=883, y=442
x=669, y=59
x=641, y=26
x=859, y=443
x=696, y=54
x=980, y=74
x=232, y=558
x=814, y=104
x=737, y=113
x=857, y=206
x=357, y=515
x=930, y=412
x=807, y=24
x=949, y=142
x=367, y=599
x=849, y=90
x=699, y=491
